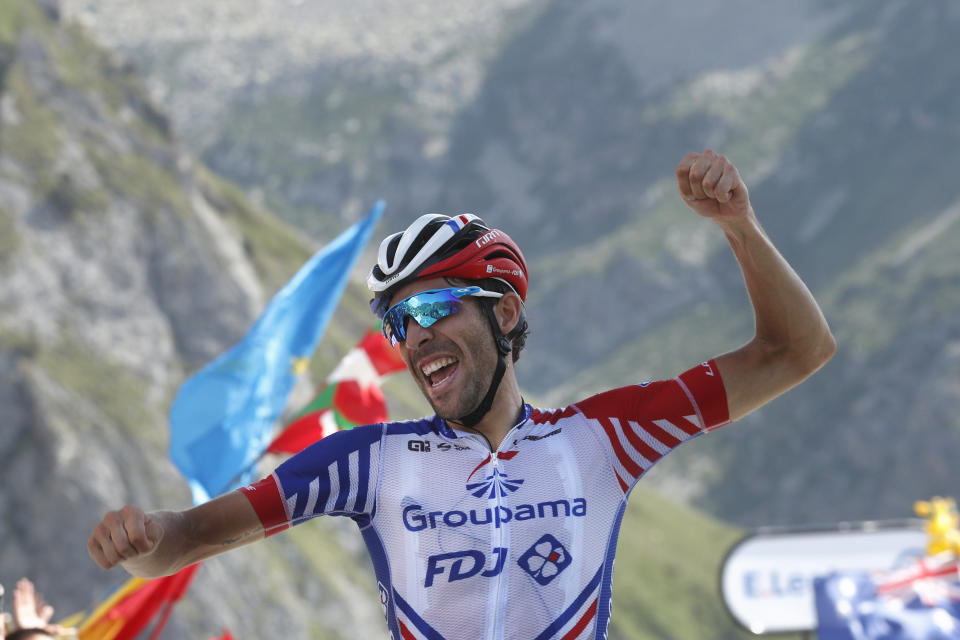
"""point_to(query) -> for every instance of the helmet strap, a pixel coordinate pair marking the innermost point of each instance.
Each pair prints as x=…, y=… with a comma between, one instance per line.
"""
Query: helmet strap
x=503, y=349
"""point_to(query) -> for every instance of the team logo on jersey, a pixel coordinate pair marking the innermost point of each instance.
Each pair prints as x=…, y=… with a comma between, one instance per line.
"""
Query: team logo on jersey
x=546, y=435
x=416, y=518
x=496, y=484
x=536, y=437
x=545, y=559
x=418, y=445
x=446, y=446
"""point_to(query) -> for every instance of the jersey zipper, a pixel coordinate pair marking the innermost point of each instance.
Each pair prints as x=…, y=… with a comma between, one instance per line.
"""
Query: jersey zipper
x=502, y=540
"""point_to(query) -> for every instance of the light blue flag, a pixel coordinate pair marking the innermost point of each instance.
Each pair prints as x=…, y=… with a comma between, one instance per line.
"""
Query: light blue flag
x=222, y=418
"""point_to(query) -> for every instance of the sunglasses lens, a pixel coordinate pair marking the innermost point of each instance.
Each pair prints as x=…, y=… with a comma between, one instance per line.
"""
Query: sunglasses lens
x=389, y=333
x=425, y=308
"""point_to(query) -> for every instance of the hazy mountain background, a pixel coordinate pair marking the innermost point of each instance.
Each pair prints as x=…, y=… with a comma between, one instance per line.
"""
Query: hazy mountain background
x=143, y=147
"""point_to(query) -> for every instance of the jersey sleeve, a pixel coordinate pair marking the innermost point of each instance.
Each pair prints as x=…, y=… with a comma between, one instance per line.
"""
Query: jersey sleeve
x=642, y=423
x=334, y=476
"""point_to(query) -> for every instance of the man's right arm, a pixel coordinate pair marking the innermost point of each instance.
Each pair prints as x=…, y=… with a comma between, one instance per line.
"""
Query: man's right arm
x=161, y=543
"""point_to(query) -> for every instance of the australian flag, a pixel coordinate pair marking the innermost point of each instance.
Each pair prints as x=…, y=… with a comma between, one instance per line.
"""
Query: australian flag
x=919, y=602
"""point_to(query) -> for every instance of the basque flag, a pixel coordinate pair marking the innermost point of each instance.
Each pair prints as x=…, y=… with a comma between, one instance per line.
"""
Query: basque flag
x=351, y=396
x=222, y=417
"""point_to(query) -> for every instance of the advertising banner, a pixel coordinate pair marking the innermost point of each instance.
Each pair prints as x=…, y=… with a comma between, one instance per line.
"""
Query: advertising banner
x=766, y=580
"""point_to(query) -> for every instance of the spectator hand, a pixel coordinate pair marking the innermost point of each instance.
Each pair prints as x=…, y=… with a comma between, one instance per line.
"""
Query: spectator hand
x=30, y=611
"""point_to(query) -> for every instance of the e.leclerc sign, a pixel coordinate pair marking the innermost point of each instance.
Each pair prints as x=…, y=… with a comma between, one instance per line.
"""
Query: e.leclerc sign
x=767, y=577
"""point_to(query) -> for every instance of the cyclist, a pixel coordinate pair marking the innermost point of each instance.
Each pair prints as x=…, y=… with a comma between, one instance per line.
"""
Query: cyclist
x=494, y=519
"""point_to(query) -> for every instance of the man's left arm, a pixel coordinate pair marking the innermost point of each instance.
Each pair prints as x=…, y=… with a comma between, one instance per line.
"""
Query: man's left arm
x=792, y=339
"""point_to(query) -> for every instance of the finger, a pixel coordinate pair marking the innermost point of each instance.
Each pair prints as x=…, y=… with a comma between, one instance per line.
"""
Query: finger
x=135, y=528
x=99, y=555
x=729, y=183
x=698, y=171
x=684, y=167
x=45, y=613
x=100, y=547
x=712, y=177
x=24, y=597
x=118, y=535
x=683, y=174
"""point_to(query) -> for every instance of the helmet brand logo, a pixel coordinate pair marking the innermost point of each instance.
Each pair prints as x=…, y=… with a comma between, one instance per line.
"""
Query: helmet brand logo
x=487, y=238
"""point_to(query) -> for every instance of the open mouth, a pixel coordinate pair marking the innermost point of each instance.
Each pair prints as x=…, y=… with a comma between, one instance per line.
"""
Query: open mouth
x=439, y=370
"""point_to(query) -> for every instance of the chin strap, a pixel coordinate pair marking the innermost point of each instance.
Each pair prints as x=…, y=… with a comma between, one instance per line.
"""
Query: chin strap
x=503, y=350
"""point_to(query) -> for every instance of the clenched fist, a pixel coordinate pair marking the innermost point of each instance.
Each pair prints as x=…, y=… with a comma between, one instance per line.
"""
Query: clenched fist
x=711, y=186
x=123, y=535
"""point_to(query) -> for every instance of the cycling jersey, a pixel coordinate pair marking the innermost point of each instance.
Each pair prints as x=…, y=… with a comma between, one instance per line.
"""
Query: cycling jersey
x=473, y=544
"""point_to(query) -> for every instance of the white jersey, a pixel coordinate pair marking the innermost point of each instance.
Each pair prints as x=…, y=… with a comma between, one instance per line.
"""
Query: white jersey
x=473, y=544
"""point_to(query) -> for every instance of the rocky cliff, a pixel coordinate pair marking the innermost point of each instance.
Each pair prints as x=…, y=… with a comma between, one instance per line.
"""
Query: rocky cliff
x=125, y=264
x=562, y=121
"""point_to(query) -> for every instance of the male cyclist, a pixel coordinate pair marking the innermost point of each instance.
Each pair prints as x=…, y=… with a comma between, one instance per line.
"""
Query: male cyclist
x=493, y=519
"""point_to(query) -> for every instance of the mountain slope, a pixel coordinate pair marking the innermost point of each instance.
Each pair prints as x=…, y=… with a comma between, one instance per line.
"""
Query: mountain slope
x=124, y=266
x=565, y=131
x=881, y=418
x=830, y=193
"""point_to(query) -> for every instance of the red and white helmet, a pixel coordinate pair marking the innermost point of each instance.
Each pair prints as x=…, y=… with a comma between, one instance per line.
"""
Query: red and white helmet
x=436, y=245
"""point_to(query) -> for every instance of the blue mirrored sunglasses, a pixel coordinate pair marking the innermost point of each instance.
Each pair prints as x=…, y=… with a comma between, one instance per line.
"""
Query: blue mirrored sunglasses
x=426, y=308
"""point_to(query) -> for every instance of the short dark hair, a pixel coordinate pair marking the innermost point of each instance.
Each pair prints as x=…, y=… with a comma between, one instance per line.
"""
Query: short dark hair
x=519, y=340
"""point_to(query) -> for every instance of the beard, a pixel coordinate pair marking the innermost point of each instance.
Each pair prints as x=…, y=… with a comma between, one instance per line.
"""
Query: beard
x=470, y=398
x=476, y=376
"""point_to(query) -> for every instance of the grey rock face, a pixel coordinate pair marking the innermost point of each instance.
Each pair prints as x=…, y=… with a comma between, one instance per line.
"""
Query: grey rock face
x=119, y=274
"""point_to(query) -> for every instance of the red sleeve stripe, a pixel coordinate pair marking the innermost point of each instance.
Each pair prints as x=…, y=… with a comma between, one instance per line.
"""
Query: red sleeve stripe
x=629, y=465
x=646, y=455
x=637, y=446
x=623, y=485
x=264, y=497
x=686, y=425
x=656, y=436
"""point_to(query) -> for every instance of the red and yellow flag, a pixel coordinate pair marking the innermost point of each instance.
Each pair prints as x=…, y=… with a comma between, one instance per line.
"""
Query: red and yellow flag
x=135, y=605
